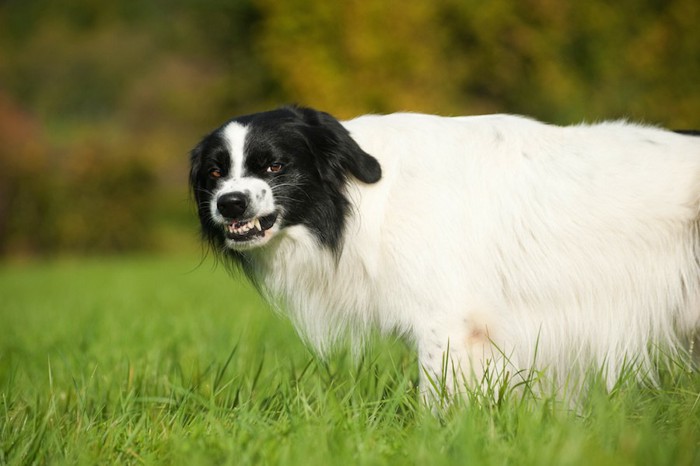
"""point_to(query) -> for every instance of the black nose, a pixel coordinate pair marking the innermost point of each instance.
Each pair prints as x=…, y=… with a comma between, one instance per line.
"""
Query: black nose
x=232, y=205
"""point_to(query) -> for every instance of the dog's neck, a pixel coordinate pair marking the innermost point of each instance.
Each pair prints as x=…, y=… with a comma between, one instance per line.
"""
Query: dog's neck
x=316, y=286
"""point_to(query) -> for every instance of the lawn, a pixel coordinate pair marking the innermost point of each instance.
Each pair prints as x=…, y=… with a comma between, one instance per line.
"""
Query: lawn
x=166, y=361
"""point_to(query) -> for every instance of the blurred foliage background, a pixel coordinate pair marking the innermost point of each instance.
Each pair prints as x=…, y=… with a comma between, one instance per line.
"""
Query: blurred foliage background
x=100, y=102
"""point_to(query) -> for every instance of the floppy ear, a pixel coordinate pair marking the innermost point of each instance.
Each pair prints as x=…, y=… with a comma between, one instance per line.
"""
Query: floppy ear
x=336, y=151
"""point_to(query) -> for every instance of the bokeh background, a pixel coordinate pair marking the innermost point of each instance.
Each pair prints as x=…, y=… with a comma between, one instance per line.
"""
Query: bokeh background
x=100, y=102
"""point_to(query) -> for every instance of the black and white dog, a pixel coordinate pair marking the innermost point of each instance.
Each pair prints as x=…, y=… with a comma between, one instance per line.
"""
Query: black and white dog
x=510, y=242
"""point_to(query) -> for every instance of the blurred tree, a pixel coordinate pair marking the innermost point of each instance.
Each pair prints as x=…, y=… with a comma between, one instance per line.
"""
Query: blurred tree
x=23, y=159
x=560, y=61
x=357, y=56
x=94, y=201
x=108, y=97
x=565, y=61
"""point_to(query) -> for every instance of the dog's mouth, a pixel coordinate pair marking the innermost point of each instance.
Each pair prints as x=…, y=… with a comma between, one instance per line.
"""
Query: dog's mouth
x=248, y=230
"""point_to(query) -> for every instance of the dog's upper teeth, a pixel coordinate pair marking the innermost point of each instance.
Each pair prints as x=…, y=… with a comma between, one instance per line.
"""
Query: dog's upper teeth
x=242, y=228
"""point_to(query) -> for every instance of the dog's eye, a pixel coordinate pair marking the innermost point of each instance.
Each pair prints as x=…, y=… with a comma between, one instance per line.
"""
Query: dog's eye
x=215, y=173
x=275, y=167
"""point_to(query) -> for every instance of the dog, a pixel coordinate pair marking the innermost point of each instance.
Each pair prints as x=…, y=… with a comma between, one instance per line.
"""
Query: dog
x=488, y=241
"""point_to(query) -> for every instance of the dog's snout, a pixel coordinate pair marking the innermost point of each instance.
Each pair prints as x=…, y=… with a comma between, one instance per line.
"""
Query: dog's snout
x=232, y=205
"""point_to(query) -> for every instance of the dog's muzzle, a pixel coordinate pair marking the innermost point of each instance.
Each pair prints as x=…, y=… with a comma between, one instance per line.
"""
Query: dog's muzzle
x=241, y=224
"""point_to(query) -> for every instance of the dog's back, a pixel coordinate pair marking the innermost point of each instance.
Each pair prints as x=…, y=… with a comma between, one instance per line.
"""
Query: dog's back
x=573, y=246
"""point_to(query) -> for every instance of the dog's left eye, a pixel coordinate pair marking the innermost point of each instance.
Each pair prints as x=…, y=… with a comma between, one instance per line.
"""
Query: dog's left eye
x=274, y=167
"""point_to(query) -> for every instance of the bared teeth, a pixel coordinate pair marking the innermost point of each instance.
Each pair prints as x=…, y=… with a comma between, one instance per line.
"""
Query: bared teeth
x=239, y=228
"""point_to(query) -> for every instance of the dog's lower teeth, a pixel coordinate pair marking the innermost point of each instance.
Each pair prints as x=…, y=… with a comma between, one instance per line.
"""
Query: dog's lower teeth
x=237, y=228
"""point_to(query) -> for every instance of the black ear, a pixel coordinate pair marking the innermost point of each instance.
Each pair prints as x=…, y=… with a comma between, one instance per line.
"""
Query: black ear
x=336, y=151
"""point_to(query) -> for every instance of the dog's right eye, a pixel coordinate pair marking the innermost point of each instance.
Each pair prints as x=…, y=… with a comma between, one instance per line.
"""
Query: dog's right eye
x=275, y=167
x=215, y=173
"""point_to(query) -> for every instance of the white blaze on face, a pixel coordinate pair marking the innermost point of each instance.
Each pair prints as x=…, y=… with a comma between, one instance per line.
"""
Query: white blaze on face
x=258, y=191
x=234, y=135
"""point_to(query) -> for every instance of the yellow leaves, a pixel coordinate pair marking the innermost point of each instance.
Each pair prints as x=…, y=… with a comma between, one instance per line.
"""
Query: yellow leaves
x=563, y=61
x=356, y=56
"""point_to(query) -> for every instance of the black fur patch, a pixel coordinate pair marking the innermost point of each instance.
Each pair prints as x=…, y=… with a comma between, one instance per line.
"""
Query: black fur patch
x=688, y=132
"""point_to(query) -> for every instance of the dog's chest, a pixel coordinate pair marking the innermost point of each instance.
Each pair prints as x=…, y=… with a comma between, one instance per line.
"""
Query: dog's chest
x=305, y=279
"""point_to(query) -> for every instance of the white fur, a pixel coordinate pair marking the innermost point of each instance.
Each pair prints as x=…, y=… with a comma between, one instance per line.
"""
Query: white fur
x=570, y=247
x=234, y=135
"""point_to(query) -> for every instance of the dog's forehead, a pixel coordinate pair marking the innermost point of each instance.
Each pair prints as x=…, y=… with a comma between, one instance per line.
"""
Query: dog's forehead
x=256, y=134
x=234, y=135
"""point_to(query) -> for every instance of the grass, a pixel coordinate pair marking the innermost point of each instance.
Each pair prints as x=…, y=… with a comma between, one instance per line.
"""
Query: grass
x=158, y=361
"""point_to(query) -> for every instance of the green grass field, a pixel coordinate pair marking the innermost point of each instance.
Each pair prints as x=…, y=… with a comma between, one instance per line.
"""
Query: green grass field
x=159, y=361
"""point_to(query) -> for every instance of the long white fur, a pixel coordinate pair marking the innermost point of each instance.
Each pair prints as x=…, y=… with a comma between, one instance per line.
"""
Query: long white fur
x=506, y=239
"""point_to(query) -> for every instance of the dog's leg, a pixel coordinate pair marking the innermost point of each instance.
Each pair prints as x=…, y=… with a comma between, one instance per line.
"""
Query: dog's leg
x=459, y=356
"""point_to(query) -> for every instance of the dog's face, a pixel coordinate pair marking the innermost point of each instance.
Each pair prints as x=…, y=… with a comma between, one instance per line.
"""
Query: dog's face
x=261, y=173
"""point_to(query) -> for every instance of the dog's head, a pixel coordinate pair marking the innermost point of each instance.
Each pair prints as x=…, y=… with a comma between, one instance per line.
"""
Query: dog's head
x=259, y=174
